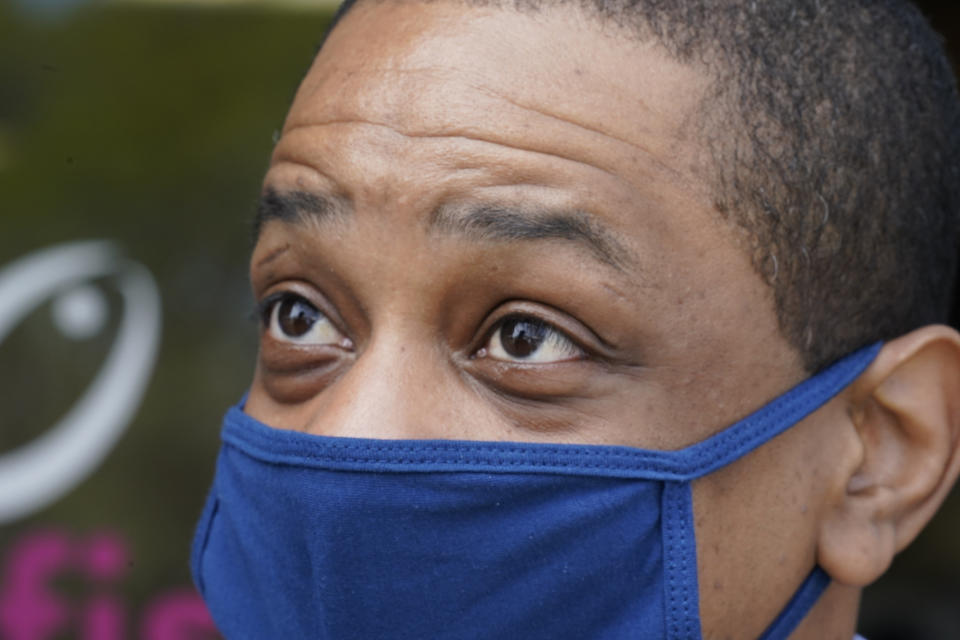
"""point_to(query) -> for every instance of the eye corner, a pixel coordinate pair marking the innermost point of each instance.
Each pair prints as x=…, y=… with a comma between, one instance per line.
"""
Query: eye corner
x=264, y=307
x=480, y=353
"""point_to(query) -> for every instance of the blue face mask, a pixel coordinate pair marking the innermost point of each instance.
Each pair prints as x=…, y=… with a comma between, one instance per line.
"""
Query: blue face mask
x=309, y=536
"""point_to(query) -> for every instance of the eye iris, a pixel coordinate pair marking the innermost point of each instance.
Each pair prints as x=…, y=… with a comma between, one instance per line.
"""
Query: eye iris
x=296, y=317
x=521, y=336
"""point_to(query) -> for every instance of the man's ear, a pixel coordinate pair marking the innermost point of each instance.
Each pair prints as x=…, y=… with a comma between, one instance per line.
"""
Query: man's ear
x=902, y=458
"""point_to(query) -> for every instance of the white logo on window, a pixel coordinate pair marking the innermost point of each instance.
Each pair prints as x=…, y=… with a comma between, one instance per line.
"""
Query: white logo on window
x=46, y=468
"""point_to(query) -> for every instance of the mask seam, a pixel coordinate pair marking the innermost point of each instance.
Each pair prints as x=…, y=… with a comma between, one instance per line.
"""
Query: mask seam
x=680, y=563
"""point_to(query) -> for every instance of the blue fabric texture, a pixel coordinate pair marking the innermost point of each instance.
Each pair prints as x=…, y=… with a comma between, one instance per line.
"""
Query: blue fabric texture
x=309, y=536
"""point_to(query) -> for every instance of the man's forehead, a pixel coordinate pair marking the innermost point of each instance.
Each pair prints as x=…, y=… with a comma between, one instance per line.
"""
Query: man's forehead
x=439, y=68
x=442, y=103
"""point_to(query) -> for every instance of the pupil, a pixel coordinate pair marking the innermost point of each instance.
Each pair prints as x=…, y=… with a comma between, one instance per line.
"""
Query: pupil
x=522, y=336
x=296, y=317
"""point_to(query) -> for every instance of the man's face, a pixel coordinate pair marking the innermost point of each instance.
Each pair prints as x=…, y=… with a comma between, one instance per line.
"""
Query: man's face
x=510, y=238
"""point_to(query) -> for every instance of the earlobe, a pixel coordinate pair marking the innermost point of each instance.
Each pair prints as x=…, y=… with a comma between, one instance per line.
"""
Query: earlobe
x=904, y=418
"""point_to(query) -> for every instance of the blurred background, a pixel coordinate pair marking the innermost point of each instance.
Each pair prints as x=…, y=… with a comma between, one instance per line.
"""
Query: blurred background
x=133, y=137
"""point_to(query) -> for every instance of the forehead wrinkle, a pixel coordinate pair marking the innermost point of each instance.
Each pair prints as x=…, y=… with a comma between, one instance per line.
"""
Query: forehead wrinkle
x=438, y=81
x=282, y=155
x=496, y=223
x=442, y=77
x=577, y=144
x=649, y=152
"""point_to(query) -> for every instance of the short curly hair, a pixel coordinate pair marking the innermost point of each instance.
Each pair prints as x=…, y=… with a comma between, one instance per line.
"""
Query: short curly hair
x=833, y=128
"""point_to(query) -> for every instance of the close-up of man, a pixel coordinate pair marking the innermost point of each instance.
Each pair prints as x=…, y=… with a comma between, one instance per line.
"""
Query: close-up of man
x=595, y=319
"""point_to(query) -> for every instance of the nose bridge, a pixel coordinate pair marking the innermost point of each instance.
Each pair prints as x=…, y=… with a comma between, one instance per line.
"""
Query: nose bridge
x=396, y=389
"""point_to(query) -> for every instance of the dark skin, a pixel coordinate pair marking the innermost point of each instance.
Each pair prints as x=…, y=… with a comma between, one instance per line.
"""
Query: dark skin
x=395, y=311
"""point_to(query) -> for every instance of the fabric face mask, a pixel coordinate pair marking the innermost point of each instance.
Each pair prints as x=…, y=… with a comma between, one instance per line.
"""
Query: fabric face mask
x=308, y=536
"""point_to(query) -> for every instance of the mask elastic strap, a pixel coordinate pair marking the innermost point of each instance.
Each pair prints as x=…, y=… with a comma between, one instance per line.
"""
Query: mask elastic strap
x=799, y=606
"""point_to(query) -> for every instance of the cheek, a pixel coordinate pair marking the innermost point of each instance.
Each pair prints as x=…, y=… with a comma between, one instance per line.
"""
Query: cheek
x=756, y=527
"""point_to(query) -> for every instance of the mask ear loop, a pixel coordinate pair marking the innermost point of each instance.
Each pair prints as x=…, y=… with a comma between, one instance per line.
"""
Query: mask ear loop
x=799, y=606
x=800, y=402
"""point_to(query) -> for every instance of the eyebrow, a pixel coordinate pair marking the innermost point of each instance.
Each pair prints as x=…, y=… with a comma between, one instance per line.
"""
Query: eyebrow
x=296, y=207
x=483, y=223
x=499, y=223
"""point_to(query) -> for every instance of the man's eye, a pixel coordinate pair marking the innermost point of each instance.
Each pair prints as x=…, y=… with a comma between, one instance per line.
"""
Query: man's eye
x=528, y=339
x=290, y=318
